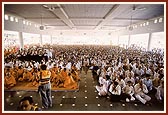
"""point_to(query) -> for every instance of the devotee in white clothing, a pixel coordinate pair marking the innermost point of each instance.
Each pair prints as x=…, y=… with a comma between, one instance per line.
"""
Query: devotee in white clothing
x=141, y=91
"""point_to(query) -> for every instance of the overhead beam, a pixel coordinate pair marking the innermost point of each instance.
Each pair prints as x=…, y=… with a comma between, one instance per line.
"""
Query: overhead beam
x=59, y=12
x=84, y=18
x=115, y=11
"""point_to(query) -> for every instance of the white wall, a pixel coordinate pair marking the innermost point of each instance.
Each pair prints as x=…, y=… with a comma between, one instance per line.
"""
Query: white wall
x=20, y=27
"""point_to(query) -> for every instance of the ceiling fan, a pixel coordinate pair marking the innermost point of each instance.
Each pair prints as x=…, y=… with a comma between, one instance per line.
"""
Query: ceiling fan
x=41, y=27
x=134, y=8
x=50, y=7
x=131, y=26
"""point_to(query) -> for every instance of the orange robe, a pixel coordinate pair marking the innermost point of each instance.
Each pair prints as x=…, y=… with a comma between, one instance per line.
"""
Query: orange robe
x=57, y=81
x=75, y=76
x=70, y=83
x=9, y=80
x=54, y=71
x=63, y=75
x=20, y=73
x=27, y=76
x=14, y=72
x=35, y=79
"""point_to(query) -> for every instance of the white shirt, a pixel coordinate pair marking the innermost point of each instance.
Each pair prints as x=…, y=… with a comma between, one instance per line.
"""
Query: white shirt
x=121, y=83
x=139, y=90
x=129, y=79
x=128, y=90
x=68, y=66
x=117, y=90
x=78, y=65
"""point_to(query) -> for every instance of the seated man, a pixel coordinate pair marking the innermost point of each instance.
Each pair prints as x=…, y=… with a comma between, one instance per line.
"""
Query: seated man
x=160, y=92
x=70, y=83
x=27, y=76
x=141, y=92
x=115, y=90
x=35, y=76
x=148, y=82
x=9, y=80
x=128, y=92
x=26, y=104
x=103, y=88
x=75, y=75
x=20, y=72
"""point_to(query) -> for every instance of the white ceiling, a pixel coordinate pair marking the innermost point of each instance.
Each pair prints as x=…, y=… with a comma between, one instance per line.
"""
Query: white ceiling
x=85, y=16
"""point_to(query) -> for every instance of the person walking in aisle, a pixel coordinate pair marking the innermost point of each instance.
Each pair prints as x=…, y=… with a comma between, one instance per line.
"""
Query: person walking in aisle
x=45, y=87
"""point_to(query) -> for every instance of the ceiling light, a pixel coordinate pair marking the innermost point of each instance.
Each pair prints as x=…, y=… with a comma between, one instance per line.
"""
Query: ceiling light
x=155, y=21
x=160, y=19
x=24, y=22
x=16, y=19
x=147, y=23
x=6, y=17
x=11, y=18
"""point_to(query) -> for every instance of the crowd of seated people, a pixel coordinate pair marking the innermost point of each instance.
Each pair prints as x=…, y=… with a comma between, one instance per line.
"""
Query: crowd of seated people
x=129, y=71
x=22, y=67
x=131, y=75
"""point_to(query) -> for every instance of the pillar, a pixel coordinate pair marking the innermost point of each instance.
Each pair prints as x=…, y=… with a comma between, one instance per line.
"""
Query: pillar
x=149, y=41
x=41, y=41
x=21, y=40
x=51, y=40
x=129, y=36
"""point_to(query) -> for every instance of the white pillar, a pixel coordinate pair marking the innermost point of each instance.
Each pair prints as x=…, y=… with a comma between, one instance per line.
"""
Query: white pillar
x=118, y=40
x=149, y=41
x=129, y=36
x=41, y=41
x=21, y=40
x=51, y=40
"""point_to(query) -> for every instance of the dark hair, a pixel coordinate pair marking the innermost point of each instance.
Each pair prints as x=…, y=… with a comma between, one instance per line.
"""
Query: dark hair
x=107, y=77
x=129, y=82
x=121, y=76
x=43, y=67
x=148, y=75
x=115, y=83
x=30, y=99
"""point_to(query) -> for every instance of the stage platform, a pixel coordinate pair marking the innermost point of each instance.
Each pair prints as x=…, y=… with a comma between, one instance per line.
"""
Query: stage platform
x=27, y=86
